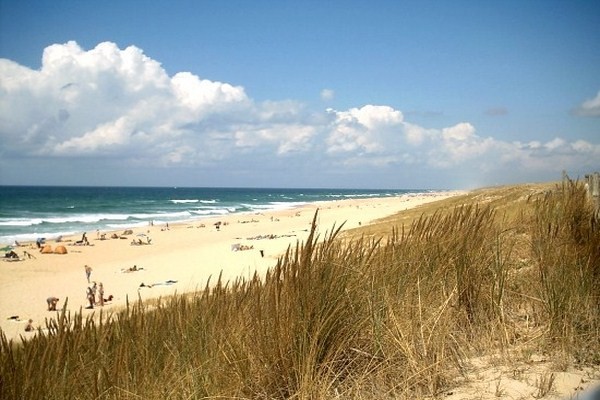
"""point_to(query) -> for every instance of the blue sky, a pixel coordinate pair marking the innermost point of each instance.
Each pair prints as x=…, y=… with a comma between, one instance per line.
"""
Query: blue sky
x=387, y=94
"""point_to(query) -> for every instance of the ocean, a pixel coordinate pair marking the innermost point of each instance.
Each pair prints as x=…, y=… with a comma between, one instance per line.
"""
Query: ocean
x=31, y=212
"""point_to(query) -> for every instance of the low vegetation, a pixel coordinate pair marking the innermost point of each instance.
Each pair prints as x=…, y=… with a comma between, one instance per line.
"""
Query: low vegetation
x=395, y=310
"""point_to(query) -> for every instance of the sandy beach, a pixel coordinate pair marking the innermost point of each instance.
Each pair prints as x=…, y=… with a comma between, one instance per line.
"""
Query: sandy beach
x=180, y=258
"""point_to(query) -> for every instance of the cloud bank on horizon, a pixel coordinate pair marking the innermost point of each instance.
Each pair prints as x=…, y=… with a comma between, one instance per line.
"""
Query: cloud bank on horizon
x=120, y=111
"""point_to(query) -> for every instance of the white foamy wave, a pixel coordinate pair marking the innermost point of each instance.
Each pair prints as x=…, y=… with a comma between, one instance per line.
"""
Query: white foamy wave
x=208, y=201
x=179, y=214
x=32, y=237
x=21, y=222
x=183, y=201
x=214, y=211
x=274, y=205
x=86, y=218
x=127, y=226
x=68, y=219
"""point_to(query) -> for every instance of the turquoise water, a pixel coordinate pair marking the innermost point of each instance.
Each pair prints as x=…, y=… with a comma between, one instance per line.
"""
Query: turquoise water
x=31, y=212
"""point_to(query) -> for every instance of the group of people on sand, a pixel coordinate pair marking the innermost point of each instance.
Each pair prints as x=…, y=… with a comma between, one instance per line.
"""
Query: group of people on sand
x=84, y=240
x=95, y=292
x=95, y=295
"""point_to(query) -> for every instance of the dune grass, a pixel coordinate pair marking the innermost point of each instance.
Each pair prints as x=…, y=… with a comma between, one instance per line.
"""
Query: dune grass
x=393, y=311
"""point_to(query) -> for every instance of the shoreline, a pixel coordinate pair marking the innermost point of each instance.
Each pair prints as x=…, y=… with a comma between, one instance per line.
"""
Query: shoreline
x=111, y=209
x=179, y=259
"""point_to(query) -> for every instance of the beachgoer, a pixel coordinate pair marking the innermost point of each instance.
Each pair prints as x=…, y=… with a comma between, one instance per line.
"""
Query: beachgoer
x=101, y=294
x=88, y=272
x=52, y=301
x=94, y=291
x=90, y=297
x=11, y=254
x=29, y=327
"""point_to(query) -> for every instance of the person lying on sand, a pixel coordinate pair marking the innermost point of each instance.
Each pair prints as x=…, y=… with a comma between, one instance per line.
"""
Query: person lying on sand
x=132, y=269
x=11, y=254
x=165, y=283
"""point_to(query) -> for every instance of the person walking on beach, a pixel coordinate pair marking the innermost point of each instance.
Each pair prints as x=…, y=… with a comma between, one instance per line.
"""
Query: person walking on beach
x=90, y=297
x=101, y=294
x=88, y=272
x=94, y=291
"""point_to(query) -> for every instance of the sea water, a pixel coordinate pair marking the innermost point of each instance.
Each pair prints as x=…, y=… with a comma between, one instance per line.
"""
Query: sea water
x=31, y=212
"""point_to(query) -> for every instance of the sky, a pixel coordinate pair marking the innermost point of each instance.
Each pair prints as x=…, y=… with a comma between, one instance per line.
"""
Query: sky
x=320, y=94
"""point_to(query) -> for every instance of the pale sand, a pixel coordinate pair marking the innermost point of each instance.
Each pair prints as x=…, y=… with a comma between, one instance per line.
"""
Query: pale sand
x=186, y=253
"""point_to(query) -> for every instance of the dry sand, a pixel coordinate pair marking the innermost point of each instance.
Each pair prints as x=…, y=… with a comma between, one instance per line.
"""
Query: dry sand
x=189, y=254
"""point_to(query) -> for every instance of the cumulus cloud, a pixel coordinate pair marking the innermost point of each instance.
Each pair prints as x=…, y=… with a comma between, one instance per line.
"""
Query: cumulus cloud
x=108, y=100
x=119, y=104
x=362, y=129
x=590, y=107
x=378, y=135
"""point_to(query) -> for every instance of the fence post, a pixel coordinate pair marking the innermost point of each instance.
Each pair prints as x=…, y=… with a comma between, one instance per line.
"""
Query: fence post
x=588, y=185
x=595, y=191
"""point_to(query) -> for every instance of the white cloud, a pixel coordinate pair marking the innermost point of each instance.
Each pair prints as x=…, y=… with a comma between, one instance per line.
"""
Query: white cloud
x=415, y=134
x=458, y=144
x=590, y=107
x=108, y=100
x=363, y=129
x=199, y=95
x=459, y=132
x=327, y=94
x=286, y=138
x=111, y=103
x=555, y=144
